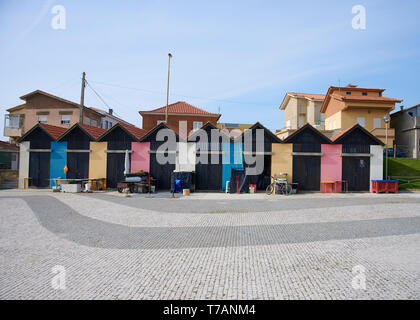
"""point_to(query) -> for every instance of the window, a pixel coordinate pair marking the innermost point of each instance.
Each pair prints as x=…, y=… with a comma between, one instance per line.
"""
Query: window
x=334, y=124
x=65, y=119
x=288, y=124
x=106, y=124
x=13, y=121
x=348, y=93
x=322, y=118
x=361, y=121
x=364, y=93
x=377, y=123
x=42, y=119
x=197, y=125
x=160, y=121
x=302, y=120
x=93, y=123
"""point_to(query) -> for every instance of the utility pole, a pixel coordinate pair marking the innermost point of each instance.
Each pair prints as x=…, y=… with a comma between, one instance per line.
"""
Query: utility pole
x=387, y=119
x=167, y=88
x=82, y=97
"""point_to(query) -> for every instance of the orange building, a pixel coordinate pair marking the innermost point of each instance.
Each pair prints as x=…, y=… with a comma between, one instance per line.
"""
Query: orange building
x=345, y=106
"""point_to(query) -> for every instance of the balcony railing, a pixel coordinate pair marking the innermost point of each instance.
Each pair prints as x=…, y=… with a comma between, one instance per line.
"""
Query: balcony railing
x=13, y=125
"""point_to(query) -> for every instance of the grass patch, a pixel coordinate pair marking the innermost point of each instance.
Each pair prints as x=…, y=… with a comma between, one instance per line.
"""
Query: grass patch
x=406, y=169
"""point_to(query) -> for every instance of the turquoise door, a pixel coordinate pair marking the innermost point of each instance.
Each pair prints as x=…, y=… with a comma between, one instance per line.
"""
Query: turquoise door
x=58, y=161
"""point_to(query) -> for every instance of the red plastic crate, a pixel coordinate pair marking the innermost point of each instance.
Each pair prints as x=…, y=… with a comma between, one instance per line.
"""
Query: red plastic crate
x=385, y=186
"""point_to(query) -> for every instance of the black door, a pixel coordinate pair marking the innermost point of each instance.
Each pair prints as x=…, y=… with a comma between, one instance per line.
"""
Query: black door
x=356, y=171
x=78, y=165
x=115, y=169
x=39, y=169
x=209, y=176
x=307, y=172
x=264, y=179
x=162, y=172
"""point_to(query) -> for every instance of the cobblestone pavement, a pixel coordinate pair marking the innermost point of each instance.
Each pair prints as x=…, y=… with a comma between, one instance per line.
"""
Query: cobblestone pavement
x=209, y=246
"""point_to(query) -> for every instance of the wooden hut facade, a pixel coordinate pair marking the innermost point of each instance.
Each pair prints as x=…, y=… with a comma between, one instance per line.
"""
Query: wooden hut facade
x=119, y=139
x=362, y=157
x=307, y=152
x=159, y=135
x=36, y=154
x=78, y=139
x=254, y=151
x=208, y=157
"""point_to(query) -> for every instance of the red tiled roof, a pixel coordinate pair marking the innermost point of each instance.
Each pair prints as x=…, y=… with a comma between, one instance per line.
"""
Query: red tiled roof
x=365, y=98
x=97, y=109
x=330, y=95
x=4, y=145
x=54, y=131
x=308, y=95
x=181, y=107
x=338, y=135
x=95, y=132
x=356, y=125
x=137, y=132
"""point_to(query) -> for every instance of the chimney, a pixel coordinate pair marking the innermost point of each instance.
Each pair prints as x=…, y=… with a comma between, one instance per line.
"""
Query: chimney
x=110, y=111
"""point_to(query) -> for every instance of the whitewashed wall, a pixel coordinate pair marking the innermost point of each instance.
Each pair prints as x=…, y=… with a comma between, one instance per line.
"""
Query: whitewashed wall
x=185, y=157
x=376, y=163
x=23, y=162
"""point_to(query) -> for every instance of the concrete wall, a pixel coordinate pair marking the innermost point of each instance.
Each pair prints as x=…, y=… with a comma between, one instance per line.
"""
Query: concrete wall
x=406, y=134
x=140, y=158
x=331, y=162
x=301, y=106
x=376, y=163
x=282, y=160
x=97, y=160
x=329, y=122
x=349, y=117
x=290, y=113
x=23, y=162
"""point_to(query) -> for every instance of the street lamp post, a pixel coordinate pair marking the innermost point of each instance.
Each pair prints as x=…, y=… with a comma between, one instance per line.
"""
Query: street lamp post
x=387, y=119
x=167, y=88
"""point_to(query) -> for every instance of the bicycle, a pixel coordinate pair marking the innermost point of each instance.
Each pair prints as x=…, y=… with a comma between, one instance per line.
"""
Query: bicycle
x=281, y=184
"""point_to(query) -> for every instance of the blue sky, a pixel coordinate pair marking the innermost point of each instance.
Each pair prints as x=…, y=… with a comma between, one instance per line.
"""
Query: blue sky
x=239, y=56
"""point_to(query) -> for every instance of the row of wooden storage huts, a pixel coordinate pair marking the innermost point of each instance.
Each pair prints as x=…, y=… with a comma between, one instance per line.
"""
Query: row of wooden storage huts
x=307, y=156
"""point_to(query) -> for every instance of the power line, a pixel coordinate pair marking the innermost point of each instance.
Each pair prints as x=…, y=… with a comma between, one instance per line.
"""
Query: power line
x=103, y=100
x=97, y=94
x=181, y=95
